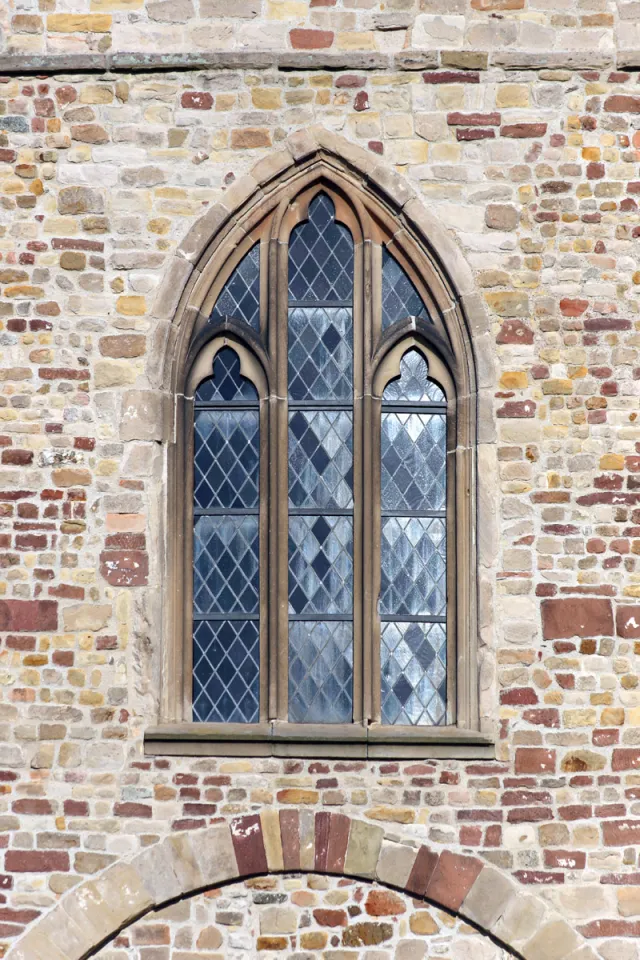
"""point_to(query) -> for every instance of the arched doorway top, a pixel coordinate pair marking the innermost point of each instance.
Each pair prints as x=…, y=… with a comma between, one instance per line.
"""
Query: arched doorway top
x=291, y=841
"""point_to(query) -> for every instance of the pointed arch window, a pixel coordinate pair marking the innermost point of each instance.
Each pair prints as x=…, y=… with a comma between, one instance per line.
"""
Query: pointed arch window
x=324, y=505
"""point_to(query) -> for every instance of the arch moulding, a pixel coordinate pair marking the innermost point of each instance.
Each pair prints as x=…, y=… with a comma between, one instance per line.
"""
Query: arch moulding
x=295, y=841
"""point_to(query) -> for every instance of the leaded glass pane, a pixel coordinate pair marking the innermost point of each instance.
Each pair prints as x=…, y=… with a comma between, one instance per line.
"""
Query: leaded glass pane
x=225, y=564
x=413, y=384
x=226, y=458
x=321, y=459
x=413, y=554
x=320, y=672
x=413, y=664
x=414, y=460
x=321, y=256
x=320, y=353
x=320, y=565
x=226, y=385
x=400, y=298
x=240, y=296
x=226, y=671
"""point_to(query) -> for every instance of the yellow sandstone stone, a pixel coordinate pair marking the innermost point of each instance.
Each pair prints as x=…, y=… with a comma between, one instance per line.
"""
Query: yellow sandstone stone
x=78, y=23
x=131, y=306
x=612, y=461
x=512, y=95
x=514, y=380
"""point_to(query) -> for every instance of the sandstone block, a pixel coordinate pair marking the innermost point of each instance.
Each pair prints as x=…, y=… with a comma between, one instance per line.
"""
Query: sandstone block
x=500, y=216
x=363, y=849
x=71, y=477
x=423, y=924
x=126, y=346
x=395, y=864
x=79, y=23
x=554, y=941
x=76, y=200
x=113, y=373
x=86, y=616
x=434, y=31
x=488, y=898
x=278, y=920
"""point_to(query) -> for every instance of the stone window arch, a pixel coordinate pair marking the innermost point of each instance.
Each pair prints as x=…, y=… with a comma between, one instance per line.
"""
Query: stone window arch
x=360, y=634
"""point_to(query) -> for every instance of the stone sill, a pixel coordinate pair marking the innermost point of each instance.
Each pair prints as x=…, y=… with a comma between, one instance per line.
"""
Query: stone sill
x=119, y=62
x=338, y=741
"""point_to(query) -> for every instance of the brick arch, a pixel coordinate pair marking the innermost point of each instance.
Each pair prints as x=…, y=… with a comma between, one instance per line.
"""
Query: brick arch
x=291, y=841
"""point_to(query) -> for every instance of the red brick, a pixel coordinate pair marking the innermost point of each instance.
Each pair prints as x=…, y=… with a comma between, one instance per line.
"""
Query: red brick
x=565, y=859
x=573, y=307
x=304, y=39
x=576, y=617
x=249, y=845
x=196, y=100
x=523, y=130
x=628, y=621
x=137, y=810
x=621, y=833
x=451, y=76
x=452, y=879
x=125, y=568
x=361, y=101
x=475, y=133
x=457, y=119
x=535, y=760
x=36, y=861
x=515, y=332
x=330, y=918
x=622, y=103
x=28, y=616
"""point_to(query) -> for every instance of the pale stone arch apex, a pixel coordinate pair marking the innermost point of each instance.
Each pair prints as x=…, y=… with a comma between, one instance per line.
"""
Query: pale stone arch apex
x=292, y=840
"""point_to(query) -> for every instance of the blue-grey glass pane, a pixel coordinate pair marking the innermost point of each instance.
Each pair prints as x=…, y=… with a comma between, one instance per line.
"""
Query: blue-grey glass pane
x=226, y=385
x=414, y=566
x=320, y=565
x=320, y=672
x=413, y=666
x=414, y=459
x=225, y=565
x=321, y=459
x=320, y=353
x=400, y=298
x=226, y=458
x=413, y=384
x=321, y=256
x=226, y=664
x=240, y=296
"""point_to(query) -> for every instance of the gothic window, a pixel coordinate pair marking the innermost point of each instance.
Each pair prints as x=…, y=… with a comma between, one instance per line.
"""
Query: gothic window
x=321, y=513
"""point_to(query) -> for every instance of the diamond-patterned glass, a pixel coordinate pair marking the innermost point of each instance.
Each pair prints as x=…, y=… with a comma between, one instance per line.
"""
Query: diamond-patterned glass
x=413, y=665
x=320, y=672
x=321, y=459
x=414, y=567
x=321, y=256
x=226, y=385
x=413, y=384
x=226, y=671
x=400, y=299
x=320, y=564
x=227, y=457
x=320, y=353
x=225, y=564
x=414, y=459
x=240, y=297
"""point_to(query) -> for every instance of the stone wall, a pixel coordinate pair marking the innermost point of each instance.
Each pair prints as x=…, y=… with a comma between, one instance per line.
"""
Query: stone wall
x=535, y=174
x=160, y=27
x=310, y=916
